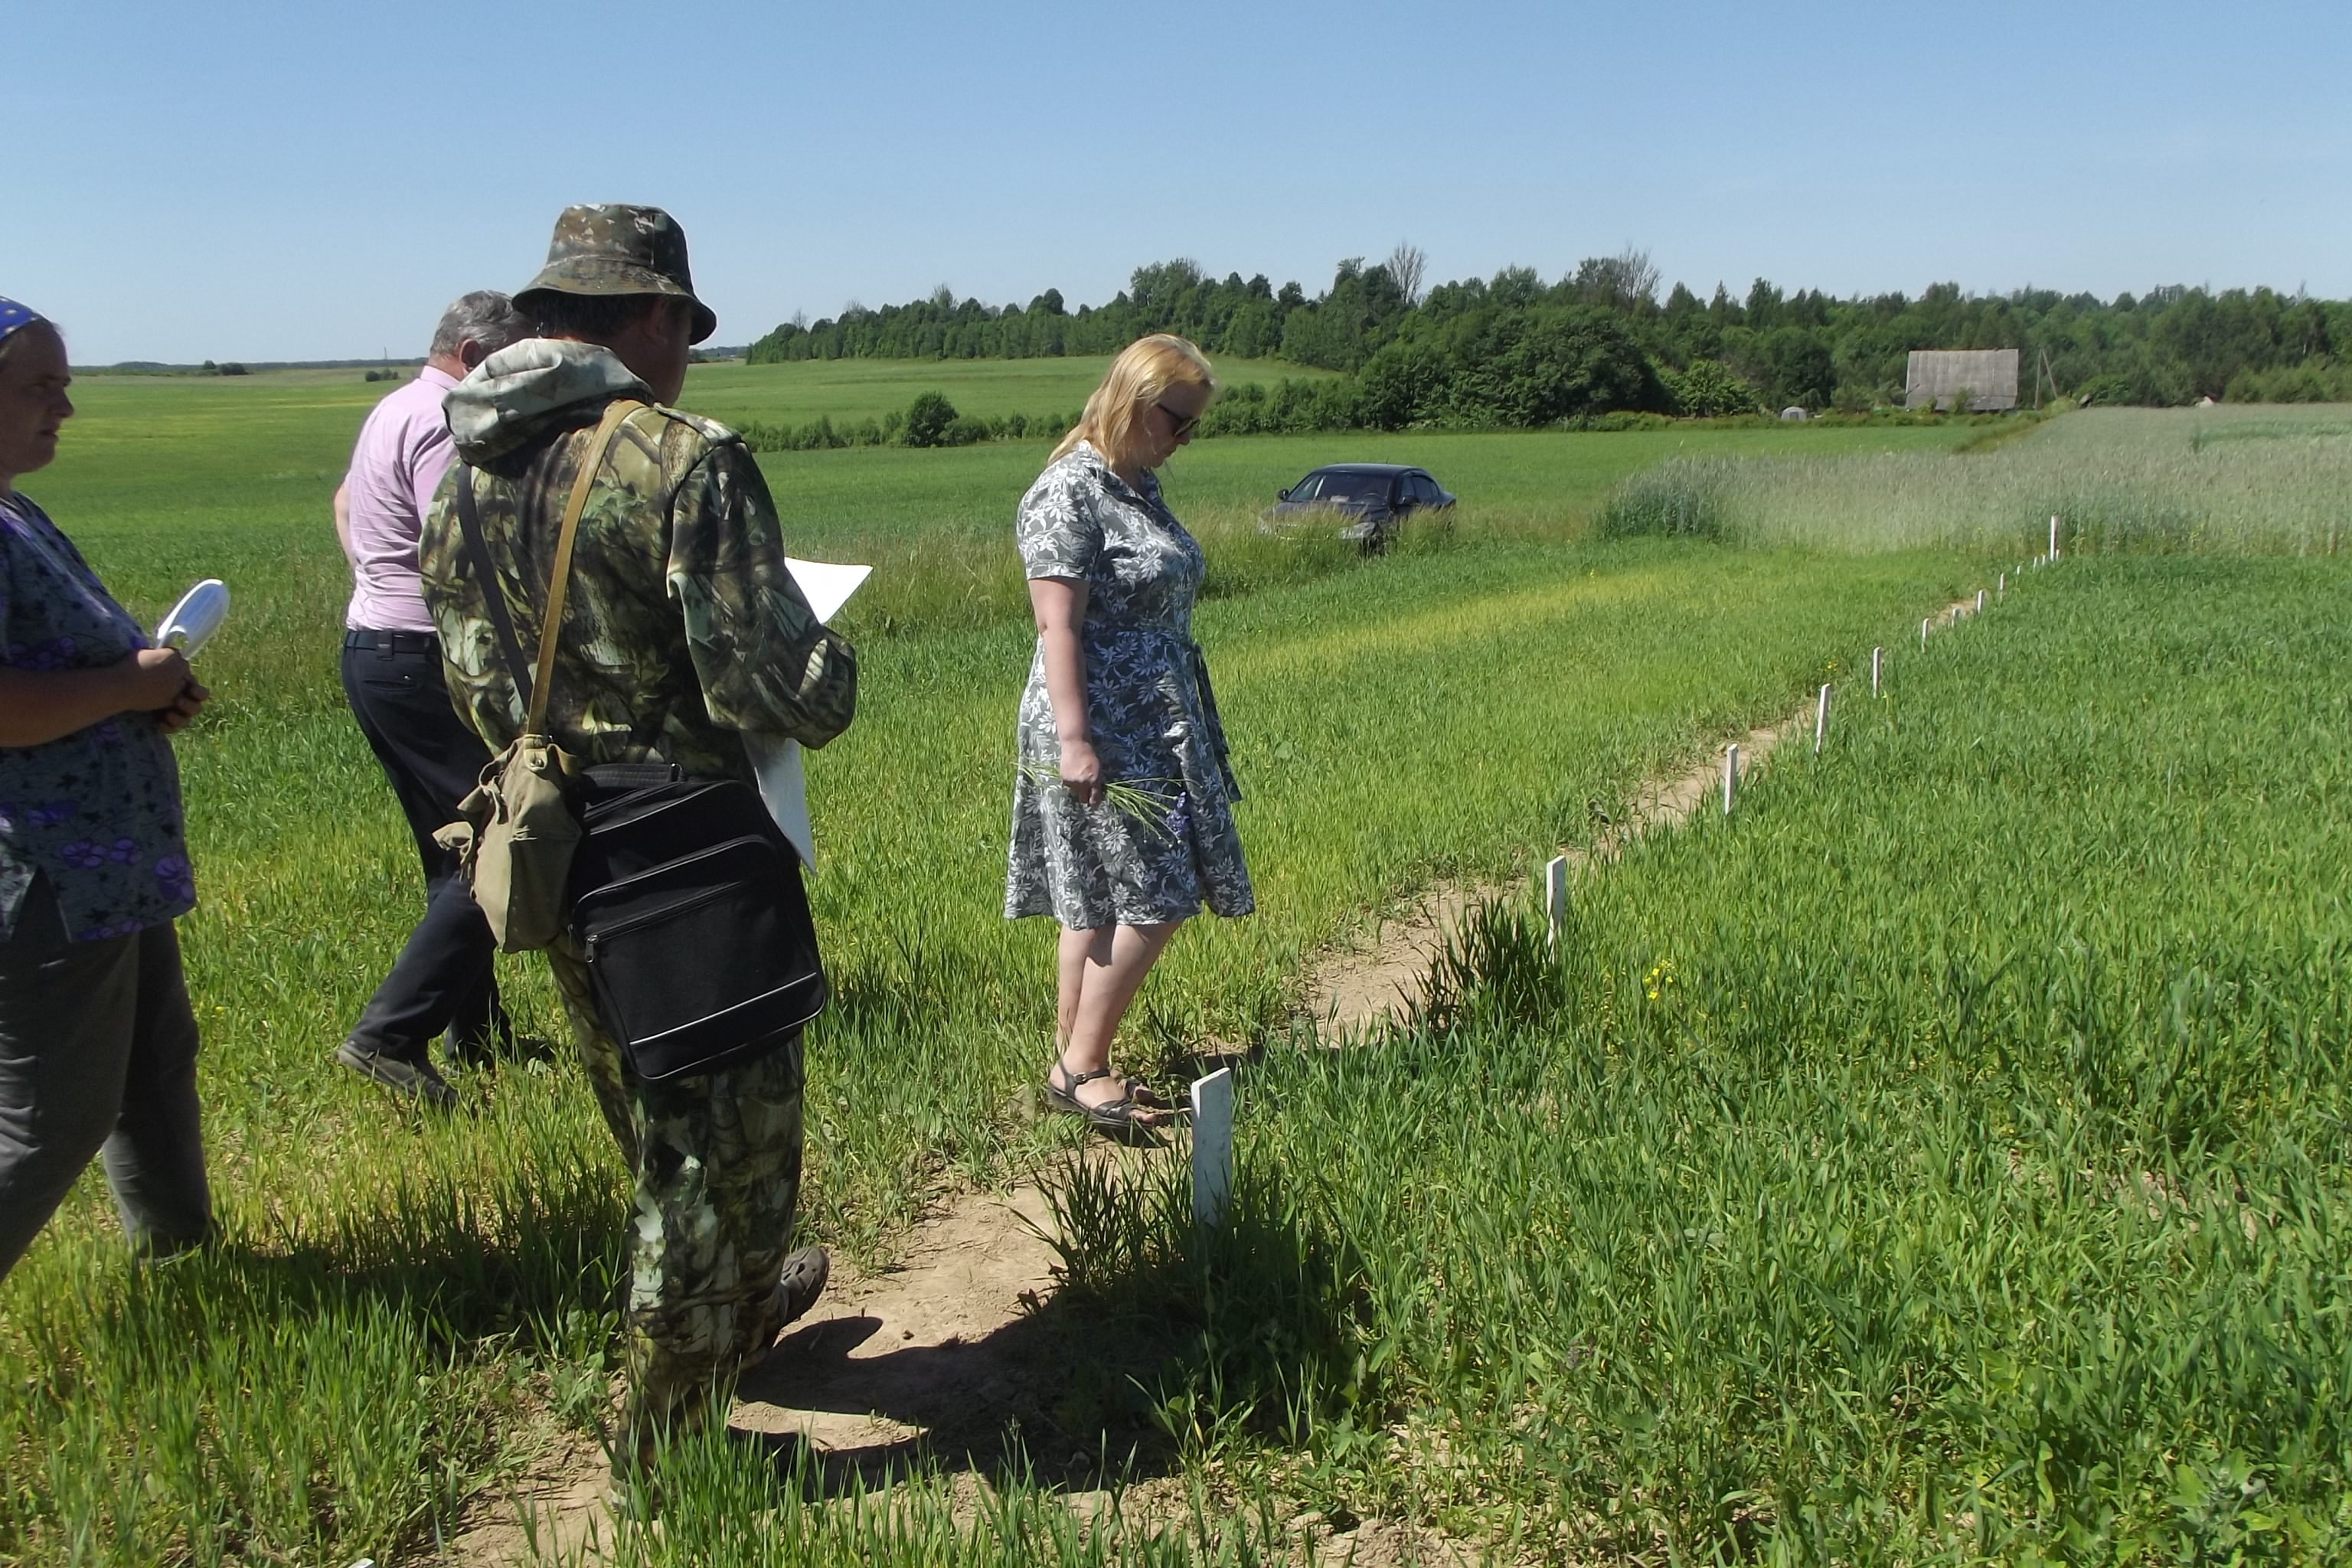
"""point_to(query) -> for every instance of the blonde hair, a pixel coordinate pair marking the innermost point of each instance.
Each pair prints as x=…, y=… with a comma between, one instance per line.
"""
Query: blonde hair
x=1137, y=379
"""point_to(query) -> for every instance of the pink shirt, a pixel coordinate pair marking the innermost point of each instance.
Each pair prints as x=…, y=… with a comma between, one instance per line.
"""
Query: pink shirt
x=404, y=449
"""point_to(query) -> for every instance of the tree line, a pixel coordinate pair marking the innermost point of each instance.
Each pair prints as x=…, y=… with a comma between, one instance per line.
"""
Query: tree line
x=1515, y=350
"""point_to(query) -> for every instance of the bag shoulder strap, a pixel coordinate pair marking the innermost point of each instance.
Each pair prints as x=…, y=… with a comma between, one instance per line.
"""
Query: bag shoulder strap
x=552, y=624
x=469, y=523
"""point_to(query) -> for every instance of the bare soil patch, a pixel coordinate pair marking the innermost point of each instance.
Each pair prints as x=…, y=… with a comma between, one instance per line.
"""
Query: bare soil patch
x=940, y=1353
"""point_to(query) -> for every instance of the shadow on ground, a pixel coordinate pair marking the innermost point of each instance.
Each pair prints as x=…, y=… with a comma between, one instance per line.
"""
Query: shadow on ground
x=1064, y=1337
x=966, y=1358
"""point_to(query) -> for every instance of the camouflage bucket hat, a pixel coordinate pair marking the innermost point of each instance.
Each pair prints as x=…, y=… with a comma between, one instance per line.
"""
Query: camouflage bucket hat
x=614, y=249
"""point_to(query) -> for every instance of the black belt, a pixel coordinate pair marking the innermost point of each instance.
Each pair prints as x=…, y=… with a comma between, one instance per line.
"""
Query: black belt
x=393, y=642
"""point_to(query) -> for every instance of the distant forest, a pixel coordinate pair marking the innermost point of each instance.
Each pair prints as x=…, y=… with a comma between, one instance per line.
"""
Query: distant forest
x=1514, y=349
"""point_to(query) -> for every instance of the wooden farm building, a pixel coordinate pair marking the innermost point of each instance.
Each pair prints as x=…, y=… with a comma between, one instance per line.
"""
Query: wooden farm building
x=1938, y=375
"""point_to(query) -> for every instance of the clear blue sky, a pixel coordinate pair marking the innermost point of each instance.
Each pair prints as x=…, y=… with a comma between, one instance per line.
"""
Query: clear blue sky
x=279, y=181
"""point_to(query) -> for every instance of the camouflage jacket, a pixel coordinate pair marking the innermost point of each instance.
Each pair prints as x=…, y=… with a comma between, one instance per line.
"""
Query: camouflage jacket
x=681, y=626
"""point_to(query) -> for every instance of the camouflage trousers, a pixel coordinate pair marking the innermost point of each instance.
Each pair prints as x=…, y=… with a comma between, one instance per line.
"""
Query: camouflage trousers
x=718, y=1165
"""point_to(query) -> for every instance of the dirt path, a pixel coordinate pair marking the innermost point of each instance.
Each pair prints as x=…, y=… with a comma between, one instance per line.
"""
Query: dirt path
x=938, y=1357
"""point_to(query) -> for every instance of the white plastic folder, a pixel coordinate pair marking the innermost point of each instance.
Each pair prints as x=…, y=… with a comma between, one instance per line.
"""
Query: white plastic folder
x=826, y=585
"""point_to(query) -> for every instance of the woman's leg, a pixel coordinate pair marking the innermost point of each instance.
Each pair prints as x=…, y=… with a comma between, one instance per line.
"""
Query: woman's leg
x=155, y=1157
x=67, y=1010
x=1100, y=971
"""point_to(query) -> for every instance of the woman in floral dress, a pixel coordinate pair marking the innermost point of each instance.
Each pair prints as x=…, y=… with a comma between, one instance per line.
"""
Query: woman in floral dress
x=98, y=1042
x=1122, y=805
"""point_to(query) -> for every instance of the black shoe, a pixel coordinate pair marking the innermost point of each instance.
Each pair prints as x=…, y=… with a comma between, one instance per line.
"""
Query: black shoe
x=805, y=1272
x=414, y=1081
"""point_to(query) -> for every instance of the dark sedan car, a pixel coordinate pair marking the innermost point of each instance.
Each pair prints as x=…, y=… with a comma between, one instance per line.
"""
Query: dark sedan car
x=1370, y=499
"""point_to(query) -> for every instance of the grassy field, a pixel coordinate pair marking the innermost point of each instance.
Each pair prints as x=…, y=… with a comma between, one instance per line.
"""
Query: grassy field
x=237, y=469
x=868, y=388
x=402, y=1308
x=2242, y=479
x=1942, y=1159
x=845, y=390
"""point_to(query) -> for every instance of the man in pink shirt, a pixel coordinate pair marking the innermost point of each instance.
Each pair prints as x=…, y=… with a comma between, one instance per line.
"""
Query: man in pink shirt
x=443, y=983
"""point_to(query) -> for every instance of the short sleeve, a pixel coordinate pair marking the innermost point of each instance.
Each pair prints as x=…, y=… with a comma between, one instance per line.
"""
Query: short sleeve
x=430, y=452
x=1060, y=533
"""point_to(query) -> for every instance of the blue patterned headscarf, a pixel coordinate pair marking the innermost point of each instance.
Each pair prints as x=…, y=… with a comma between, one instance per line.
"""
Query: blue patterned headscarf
x=13, y=316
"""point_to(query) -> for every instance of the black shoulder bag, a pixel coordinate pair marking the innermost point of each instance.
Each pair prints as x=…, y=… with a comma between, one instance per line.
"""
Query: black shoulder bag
x=683, y=897
x=688, y=906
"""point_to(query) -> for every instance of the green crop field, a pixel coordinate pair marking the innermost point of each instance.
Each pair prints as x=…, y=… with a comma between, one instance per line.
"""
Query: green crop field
x=844, y=390
x=1561, y=1265
x=849, y=389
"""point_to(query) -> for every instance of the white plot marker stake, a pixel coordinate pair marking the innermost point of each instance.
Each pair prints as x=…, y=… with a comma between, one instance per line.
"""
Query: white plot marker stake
x=1980, y=601
x=2054, y=538
x=1923, y=634
x=1821, y=719
x=1730, y=774
x=2000, y=588
x=1876, y=655
x=1212, y=1146
x=1556, y=897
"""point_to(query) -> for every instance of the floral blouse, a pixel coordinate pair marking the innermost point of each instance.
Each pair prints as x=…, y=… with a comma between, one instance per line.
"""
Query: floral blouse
x=98, y=811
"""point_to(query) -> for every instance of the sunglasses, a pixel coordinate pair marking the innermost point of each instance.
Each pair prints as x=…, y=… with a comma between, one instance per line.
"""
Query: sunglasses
x=1179, y=425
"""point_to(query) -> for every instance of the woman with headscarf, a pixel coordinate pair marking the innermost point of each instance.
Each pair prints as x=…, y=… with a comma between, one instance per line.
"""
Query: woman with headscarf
x=1122, y=808
x=97, y=1042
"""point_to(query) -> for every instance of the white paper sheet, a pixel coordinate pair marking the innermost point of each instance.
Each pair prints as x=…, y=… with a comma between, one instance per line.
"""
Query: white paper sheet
x=826, y=585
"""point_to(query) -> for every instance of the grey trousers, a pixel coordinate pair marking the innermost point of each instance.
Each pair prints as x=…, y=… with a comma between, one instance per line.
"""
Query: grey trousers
x=98, y=1055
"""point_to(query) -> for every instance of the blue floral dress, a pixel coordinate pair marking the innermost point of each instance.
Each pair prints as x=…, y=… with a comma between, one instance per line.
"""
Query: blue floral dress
x=1150, y=712
x=95, y=812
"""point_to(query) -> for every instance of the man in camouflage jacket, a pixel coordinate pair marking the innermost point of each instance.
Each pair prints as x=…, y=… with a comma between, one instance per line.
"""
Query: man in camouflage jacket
x=682, y=630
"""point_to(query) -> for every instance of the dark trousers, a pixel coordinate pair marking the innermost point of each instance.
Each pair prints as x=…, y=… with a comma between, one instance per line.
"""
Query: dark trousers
x=97, y=1056
x=444, y=980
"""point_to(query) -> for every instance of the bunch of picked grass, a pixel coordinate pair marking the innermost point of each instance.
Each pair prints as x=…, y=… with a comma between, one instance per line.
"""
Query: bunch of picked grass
x=1137, y=799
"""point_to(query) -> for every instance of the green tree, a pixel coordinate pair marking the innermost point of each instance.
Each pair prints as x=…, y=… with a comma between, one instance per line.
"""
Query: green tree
x=1709, y=388
x=929, y=419
x=1803, y=370
x=1403, y=383
x=1540, y=366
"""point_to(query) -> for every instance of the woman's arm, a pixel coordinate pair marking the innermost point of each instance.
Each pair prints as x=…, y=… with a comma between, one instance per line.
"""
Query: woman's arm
x=1060, y=603
x=40, y=706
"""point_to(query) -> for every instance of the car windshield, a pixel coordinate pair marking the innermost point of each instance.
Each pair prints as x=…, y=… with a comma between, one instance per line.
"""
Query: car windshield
x=1337, y=487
